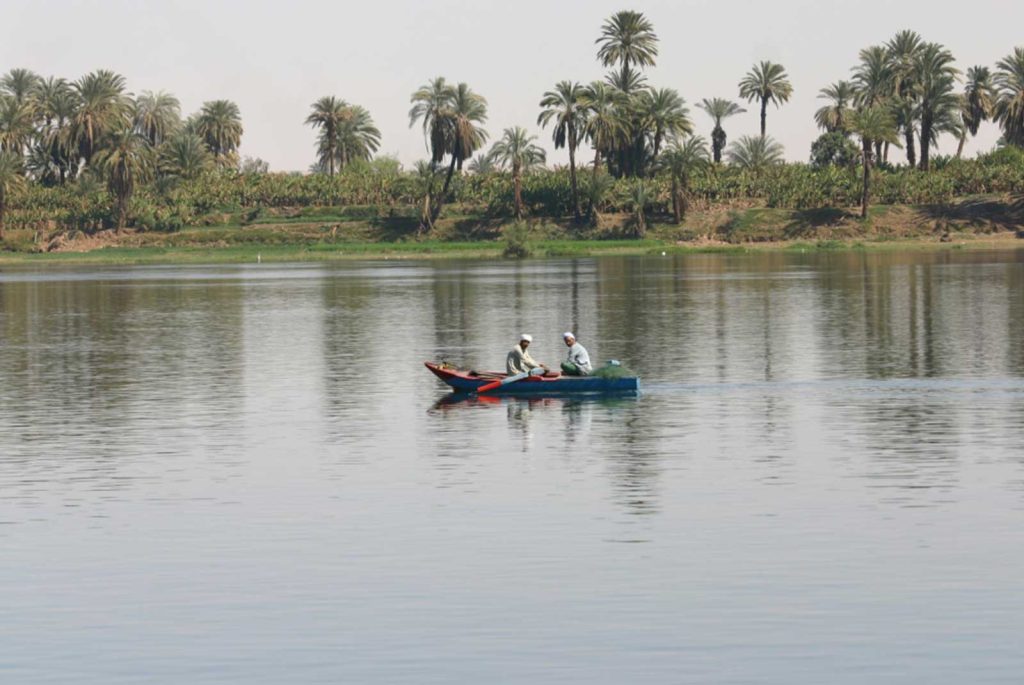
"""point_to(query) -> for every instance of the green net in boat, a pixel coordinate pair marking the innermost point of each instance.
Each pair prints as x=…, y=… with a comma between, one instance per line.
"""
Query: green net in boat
x=612, y=369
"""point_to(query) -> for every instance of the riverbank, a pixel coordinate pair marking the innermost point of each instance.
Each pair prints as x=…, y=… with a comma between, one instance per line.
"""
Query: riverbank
x=306, y=234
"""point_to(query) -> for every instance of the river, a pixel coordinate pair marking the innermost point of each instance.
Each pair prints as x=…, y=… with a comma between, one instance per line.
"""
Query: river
x=244, y=473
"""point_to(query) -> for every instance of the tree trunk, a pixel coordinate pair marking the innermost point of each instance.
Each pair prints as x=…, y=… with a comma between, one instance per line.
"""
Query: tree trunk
x=867, y=179
x=885, y=152
x=908, y=136
x=122, y=212
x=436, y=212
x=677, y=212
x=518, y=183
x=3, y=212
x=960, y=146
x=926, y=138
x=764, y=114
x=572, y=179
x=330, y=151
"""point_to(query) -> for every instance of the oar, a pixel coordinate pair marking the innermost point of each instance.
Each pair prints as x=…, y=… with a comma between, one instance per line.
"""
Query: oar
x=509, y=379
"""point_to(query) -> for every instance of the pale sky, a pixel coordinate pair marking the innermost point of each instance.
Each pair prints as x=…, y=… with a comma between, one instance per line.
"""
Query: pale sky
x=274, y=58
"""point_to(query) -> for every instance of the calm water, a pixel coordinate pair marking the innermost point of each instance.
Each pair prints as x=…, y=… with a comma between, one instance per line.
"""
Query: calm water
x=243, y=474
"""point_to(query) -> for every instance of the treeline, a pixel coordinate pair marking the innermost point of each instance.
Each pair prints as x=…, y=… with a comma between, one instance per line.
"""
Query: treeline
x=88, y=154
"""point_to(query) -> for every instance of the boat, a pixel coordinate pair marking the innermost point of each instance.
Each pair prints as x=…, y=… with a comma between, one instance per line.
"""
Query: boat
x=466, y=381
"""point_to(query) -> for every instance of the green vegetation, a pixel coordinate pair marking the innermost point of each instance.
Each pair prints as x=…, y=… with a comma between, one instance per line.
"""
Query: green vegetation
x=82, y=161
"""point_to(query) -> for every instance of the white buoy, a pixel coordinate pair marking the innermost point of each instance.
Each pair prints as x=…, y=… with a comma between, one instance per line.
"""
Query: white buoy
x=662, y=253
x=259, y=258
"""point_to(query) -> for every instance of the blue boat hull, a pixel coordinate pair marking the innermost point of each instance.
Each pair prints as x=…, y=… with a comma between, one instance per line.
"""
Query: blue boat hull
x=463, y=381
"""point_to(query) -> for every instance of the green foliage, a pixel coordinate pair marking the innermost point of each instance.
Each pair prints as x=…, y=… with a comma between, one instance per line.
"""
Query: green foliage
x=833, y=149
x=516, y=238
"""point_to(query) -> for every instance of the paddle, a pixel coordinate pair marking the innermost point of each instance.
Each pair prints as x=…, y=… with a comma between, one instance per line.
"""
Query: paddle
x=509, y=379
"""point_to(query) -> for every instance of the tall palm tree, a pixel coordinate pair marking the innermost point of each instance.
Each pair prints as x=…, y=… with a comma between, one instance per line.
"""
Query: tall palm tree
x=719, y=109
x=874, y=84
x=483, y=163
x=628, y=39
x=903, y=51
x=517, y=151
x=219, y=124
x=605, y=126
x=126, y=162
x=102, y=108
x=977, y=104
x=664, y=115
x=430, y=105
x=639, y=197
x=11, y=180
x=566, y=107
x=836, y=114
x=938, y=106
x=468, y=112
x=680, y=160
x=327, y=114
x=755, y=153
x=157, y=116
x=766, y=82
x=1009, y=112
x=872, y=124
x=56, y=104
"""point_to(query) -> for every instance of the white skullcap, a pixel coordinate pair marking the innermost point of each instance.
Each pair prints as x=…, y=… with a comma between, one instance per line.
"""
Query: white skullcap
x=568, y=334
x=527, y=337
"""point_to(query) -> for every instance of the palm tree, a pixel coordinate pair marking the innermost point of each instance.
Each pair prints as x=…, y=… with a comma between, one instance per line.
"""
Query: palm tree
x=639, y=197
x=327, y=114
x=754, y=153
x=102, y=108
x=937, y=104
x=358, y=137
x=1009, y=112
x=835, y=115
x=126, y=162
x=430, y=105
x=185, y=156
x=56, y=104
x=157, y=116
x=874, y=84
x=566, y=107
x=719, y=109
x=977, y=104
x=627, y=38
x=20, y=84
x=766, y=82
x=468, y=111
x=11, y=180
x=483, y=163
x=664, y=114
x=872, y=124
x=219, y=124
x=903, y=50
x=604, y=124
x=517, y=152
x=680, y=160
x=17, y=124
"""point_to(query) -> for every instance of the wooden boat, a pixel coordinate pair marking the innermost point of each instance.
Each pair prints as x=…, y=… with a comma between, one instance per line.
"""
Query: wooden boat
x=469, y=381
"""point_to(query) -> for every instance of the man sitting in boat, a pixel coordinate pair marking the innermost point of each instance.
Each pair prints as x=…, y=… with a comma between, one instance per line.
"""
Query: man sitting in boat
x=519, y=360
x=578, y=361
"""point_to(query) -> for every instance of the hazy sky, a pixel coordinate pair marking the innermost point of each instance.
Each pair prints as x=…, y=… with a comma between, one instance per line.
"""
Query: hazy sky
x=274, y=58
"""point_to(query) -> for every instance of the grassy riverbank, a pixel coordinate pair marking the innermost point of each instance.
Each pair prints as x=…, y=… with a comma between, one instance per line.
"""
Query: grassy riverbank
x=323, y=234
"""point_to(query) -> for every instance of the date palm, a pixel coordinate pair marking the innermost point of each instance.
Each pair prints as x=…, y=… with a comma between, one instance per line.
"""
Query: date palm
x=516, y=151
x=102, y=108
x=11, y=180
x=358, y=136
x=56, y=105
x=755, y=153
x=483, y=163
x=468, y=112
x=938, y=105
x=874, y=84
x=719, y=109
x=327, y=114
x=1009, y=111
x=628, y=39
x=903, y=52
x=766, y=82
x=874, y=125
x=605, y=126
x=157, y=116
x=126, y=162
x=977, y=104
x=836, y=114
x=430, y=106
x=17, y=124
x=184, y=155
x=20, y=84
x=663, y=115
x=680, y=160
x=219, y=124
x=565, y=107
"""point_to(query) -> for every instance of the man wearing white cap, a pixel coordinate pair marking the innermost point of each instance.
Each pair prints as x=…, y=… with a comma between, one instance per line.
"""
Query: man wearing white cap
x=519, y=360
x=578, y=361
